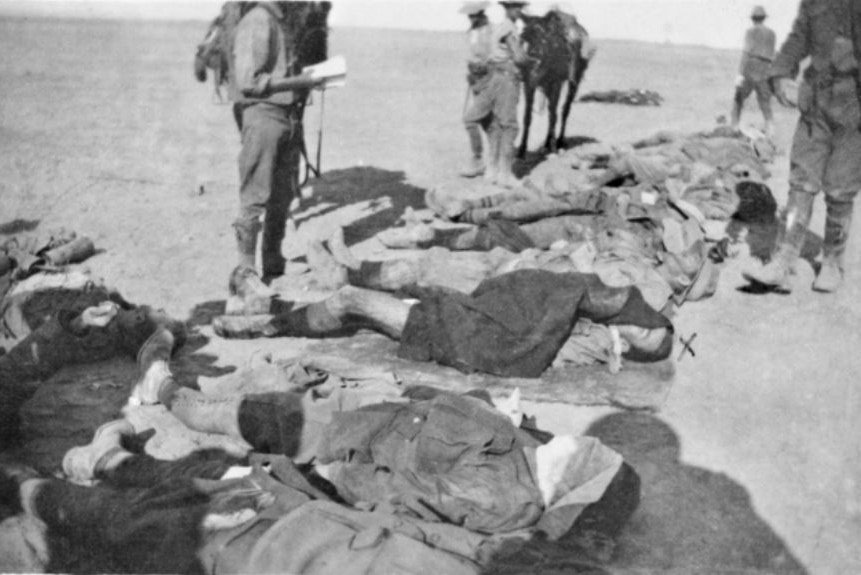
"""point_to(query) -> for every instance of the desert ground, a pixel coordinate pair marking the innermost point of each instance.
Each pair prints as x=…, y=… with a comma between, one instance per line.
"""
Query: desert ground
x=751, y=465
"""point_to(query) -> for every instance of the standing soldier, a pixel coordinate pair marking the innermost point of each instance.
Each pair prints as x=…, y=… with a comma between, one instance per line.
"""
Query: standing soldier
x=495, y=106
x=270, y=92
x=478, y=78
x=826, y=148
x=756, y=59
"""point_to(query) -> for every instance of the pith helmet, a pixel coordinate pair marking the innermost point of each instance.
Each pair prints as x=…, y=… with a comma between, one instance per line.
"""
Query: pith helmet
x=758, y=12
x=473, y=8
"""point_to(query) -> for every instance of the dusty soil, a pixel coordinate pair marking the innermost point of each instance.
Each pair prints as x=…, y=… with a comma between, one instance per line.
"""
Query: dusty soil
x=752, y=464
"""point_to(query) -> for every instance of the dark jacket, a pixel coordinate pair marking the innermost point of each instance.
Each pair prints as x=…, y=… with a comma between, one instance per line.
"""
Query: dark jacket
x=814, y=33
x=453, y=459
x=513, y=325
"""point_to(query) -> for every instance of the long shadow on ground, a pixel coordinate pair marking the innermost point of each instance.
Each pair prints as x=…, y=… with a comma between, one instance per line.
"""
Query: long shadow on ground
x=524, y=166
x=387, y=192
x=690, y=519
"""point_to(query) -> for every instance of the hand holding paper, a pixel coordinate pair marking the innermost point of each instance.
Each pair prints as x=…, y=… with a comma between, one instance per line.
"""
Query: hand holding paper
x=333, y=71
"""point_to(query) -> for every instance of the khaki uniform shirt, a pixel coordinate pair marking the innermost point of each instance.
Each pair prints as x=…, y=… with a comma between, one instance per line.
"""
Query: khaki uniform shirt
x=758, y=52
x=500, y=53
x=480, y=44
x=262, y=52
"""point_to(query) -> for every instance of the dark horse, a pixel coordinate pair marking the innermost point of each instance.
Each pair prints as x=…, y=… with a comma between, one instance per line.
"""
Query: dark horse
x=307, y=24
x=559, y=50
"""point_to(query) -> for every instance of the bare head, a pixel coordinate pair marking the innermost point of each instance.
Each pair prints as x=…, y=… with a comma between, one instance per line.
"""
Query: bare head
x=645, y=344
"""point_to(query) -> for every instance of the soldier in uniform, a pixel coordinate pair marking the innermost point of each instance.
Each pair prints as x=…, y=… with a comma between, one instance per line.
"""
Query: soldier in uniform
x=495, y=106
x=756, y=58
x=478, y=77
x=826, y=148
x=270, y=91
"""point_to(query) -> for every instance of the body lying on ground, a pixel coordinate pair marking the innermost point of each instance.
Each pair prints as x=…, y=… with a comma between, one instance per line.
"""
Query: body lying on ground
x=466, y=481
x=640, y=208
x=421, y=451
x=211, y=513
x=700, y=169
x=620, y=253
x=512, y=325
x=641, y=236
x=92, y=325
x=623, y=263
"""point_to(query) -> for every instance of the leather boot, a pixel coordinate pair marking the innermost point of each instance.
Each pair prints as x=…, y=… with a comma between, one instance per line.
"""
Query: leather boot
x=506, y=176
x=244, y=326
x=776, y=273
x=83, y=464
x=491, y=170
x=154, y=365
x=248, y=295
x=75, y=251
x=476, y=166
x=838, y=220
x=274, y=229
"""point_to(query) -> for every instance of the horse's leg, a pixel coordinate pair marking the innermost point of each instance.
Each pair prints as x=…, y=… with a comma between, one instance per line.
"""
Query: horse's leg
x=216, y=86
x=552, y=89
x=573, y=86
x=570, y=92
x=215, y=65
x=529, y=92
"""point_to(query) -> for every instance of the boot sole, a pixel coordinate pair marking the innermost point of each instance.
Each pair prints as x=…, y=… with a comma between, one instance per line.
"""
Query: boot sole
x=820, y=289
x=248, y=332
x=127, y=429
x=470, y=175
x=145, y=355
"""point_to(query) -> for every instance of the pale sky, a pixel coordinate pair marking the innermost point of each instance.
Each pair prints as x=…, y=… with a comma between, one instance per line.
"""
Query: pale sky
x=717, y=23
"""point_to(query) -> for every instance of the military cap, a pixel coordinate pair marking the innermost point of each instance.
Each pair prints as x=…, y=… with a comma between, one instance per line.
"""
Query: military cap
x=758, y=12
x=514, y=4
x=473, y=8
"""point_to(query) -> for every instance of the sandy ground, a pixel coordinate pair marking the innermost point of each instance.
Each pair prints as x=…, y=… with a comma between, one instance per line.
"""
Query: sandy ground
x=103, y=130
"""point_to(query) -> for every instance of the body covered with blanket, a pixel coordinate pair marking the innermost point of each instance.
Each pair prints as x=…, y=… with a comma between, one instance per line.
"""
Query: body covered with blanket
x=513, y=325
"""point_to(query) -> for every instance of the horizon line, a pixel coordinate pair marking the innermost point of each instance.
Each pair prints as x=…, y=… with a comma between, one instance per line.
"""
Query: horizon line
x=112, y=18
